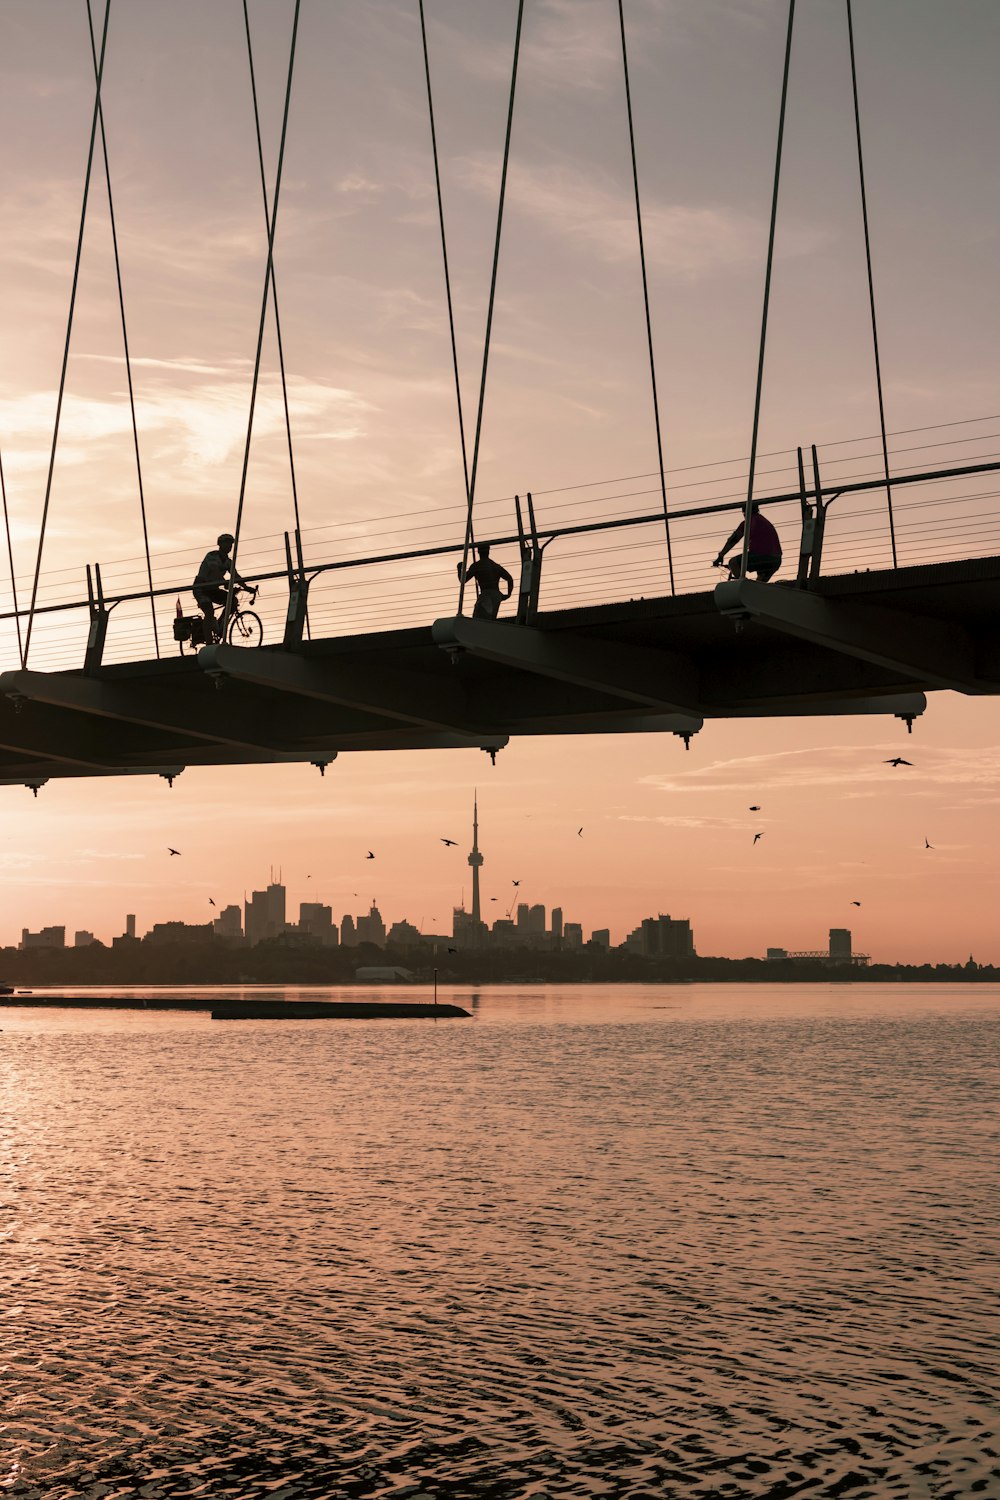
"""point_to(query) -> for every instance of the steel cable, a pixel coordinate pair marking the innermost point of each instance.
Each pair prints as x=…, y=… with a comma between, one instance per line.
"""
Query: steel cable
x=767, y=285
x=871, y=282
x=645, y=297
x=10, y=559
x=274, y=287
x=444, y=251
x=489, y=315
x=263, y=319
x=128, y=361
x=69, y=334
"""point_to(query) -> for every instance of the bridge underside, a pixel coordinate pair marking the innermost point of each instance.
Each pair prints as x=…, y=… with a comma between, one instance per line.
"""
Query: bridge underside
x=860, y=643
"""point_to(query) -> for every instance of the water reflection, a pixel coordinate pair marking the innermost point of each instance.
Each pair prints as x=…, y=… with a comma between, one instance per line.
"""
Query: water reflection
x=581, y=1246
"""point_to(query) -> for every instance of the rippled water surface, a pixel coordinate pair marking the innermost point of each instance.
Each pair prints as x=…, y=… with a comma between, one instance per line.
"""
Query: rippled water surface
x=632, y=1242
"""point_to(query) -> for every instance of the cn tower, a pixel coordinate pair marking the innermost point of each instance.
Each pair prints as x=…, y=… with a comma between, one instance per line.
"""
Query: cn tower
x=475, y=860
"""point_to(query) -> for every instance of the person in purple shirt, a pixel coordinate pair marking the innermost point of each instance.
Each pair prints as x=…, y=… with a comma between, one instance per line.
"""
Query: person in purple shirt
x=764, y=554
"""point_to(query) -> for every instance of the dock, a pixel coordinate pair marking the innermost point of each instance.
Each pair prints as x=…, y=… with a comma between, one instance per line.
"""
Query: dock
x=245, y=1010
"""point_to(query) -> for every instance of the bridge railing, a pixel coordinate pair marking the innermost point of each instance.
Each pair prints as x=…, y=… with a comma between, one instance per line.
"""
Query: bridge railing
x=601, y=542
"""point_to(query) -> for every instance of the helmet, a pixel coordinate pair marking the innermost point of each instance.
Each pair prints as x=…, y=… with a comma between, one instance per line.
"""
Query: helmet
x=225, y=537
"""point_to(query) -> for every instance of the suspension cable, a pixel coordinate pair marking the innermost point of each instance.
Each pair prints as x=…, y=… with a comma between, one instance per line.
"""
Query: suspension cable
x=128, y=361
x=10, y=558
x=871, y=283
x=69, y=334
x=767, y=287
x=444, y=252
x=489, y=315
x=274, y=282
x=645, y=298
x=263, y=318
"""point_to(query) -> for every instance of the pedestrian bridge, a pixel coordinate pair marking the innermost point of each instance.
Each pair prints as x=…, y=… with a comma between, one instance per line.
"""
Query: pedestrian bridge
x=888, y=589
x=821, y=640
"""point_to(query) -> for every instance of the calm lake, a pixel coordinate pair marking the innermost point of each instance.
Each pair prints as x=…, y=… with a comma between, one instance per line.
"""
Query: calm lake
x=635, y=1241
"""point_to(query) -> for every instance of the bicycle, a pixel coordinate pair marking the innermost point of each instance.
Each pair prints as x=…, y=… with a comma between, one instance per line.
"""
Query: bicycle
x=245, y=628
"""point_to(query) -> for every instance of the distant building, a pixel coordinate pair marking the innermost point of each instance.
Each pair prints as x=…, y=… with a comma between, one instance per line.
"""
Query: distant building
x=777, y=953
x=504, y=933
x=83, y=939
x=557, y=926
x=840, y=945
x=49, y=937
x=179, y=932
x=348, y=932
x=316, y=921
x=264, y=914
x=531, y=925
x=662, y=937
x=371, y=929
x=467, y=930
x=229, y=923
x=405, y=935
x=130, y=925
x=602, y=937
x=572, y=935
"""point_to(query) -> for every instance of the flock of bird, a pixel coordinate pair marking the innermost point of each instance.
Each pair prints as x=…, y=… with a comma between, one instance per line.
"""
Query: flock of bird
x=895, y=760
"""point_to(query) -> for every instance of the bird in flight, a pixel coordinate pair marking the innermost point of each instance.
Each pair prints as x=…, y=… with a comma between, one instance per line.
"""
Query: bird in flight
x=757, y=836
x=755, y=809
x=210, y=901
x=172, y=851
x=493, y=898
x=370, y=854
x=926, y=844
x=855, y=903
x=448, y=841
x=515, y=882
x=897, y=760
x=452, y=950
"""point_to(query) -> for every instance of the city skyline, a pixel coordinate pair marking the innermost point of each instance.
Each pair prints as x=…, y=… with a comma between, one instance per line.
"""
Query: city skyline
x=263, y=916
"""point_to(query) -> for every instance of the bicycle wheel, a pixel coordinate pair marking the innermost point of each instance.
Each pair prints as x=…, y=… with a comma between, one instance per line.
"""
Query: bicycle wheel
x=245, y=629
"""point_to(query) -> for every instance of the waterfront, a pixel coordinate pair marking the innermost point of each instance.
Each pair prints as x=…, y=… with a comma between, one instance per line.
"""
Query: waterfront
x=635, y=1242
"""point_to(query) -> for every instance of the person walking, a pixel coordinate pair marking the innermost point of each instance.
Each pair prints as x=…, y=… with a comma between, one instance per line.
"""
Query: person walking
x=488, y=576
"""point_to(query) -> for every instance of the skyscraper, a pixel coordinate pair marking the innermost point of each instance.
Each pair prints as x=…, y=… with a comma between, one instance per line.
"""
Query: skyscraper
x=840, y=945
x=476, y=861
x=264, y=913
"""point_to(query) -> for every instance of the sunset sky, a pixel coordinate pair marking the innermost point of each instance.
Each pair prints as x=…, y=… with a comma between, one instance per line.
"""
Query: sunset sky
x=358, y=266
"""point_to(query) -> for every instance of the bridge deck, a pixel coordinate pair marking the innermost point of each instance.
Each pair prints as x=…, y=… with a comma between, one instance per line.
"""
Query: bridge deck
x=860, y=642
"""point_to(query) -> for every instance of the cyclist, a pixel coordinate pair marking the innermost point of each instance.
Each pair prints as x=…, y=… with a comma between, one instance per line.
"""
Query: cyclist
x=764, y=553
x=209, y=587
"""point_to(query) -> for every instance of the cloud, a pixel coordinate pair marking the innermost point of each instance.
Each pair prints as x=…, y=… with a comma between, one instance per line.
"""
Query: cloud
x=198, y=427
x=668, y=820
x=839, y=766
x=686, y=241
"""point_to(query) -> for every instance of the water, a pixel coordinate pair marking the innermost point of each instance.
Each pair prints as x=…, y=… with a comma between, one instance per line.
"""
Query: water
x=631, y=1242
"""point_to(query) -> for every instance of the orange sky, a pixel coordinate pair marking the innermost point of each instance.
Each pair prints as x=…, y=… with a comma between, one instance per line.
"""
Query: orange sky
x=359, y=275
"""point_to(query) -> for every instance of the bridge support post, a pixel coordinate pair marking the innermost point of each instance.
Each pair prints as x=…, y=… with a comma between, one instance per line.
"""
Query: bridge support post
x=532, y=553
x=820, y=522
x=99, y=617
x=808, y=530
x=298, y=595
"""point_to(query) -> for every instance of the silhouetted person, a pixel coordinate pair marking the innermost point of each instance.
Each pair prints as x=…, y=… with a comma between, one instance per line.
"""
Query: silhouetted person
x=209, y=587
x=488, y=576
x=764, y=555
